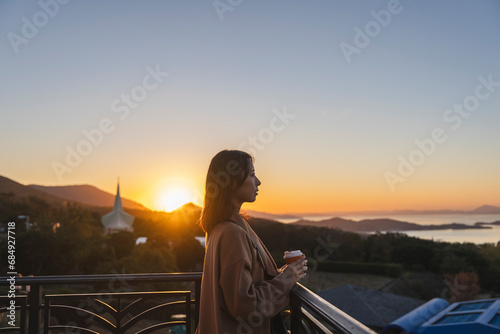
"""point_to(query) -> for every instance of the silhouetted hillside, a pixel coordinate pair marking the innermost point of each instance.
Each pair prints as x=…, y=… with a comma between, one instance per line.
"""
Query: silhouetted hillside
x=87, y=194
x=484, y=209
x=273, y=216
x=384, y=225
x=8, y=186
x=488, y=209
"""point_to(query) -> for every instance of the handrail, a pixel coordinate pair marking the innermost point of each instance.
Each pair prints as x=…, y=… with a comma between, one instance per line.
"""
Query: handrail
x=307, y=305
x=79, y=279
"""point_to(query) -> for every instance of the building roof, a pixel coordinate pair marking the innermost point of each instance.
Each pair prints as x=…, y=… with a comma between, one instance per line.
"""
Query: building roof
x=476, y=316
x=373, y=308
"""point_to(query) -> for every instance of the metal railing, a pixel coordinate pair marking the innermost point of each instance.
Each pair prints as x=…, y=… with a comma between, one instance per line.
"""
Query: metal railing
x=37, y=303
x=312, y=314
x=309, y=312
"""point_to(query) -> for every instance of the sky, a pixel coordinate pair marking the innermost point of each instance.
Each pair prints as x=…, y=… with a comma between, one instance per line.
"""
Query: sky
x=346, y=105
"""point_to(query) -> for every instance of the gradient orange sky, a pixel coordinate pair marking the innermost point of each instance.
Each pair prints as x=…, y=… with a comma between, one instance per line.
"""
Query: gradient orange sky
x=150, y=91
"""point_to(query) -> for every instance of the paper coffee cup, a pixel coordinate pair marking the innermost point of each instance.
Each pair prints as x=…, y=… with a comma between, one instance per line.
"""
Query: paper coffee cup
x=291, y=256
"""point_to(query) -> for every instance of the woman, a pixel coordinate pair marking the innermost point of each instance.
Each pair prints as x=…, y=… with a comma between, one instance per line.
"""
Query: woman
x=241, y=287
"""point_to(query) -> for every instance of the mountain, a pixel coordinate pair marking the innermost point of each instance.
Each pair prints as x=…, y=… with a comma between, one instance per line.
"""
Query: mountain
x=487, y=209
x=82, y=194
x=367, y=225
x=385, y=225
x=92, y=196
x=88, y=195
x=19, y=190
x=272, y=216
x=191, y=207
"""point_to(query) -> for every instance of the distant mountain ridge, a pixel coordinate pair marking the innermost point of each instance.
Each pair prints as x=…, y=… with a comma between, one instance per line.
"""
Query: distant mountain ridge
x=387, y=225
x=266, y=215
x=487, y=209
x=252, y=213
x=8, y=186
x=87, y=194
x=83, y=194
x=484, y=209
x=93, y=196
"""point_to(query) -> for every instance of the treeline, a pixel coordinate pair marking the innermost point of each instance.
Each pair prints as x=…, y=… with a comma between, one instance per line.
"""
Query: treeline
x=69, y=240
x=412, y=254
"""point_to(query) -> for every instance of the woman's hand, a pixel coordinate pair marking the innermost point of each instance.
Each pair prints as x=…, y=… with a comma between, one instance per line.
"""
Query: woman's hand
x=295, y=270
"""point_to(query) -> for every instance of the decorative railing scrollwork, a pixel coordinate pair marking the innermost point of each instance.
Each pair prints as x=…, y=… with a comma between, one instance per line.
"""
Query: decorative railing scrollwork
x=135, y=312
x=21, y=306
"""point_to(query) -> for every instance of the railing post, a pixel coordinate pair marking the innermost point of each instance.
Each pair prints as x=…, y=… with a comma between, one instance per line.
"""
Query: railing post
x=197, y=291
x=188, y=313
x=34, y=310
x=294, y=313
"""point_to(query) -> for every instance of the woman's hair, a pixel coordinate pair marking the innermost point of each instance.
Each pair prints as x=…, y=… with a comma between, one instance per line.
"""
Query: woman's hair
x=226, y=173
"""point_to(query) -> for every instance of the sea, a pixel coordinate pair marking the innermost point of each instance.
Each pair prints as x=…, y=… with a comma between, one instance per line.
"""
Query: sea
x=477, y=236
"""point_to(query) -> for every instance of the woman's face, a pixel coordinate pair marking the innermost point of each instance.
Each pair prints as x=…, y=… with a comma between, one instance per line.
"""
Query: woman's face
x=248, y=190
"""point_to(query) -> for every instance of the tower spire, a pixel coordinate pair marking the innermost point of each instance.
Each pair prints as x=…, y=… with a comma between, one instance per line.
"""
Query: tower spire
x=118, y=199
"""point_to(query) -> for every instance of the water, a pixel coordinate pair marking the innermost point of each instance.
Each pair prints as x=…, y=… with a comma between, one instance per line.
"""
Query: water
x=478, y=236
x=474, y=236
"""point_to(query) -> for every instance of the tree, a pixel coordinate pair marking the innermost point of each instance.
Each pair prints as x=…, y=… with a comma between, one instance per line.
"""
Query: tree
x=189, y=253
x=144, y=258
x=121, y=243
x=461, y=287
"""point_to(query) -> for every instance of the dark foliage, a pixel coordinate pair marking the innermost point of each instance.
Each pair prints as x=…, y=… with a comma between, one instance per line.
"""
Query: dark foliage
x=69, y=240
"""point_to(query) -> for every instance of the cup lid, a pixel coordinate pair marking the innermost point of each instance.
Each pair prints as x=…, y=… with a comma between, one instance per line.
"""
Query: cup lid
x=293, y=253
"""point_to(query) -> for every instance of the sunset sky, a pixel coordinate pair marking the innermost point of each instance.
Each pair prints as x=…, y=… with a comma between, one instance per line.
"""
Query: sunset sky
x=346, y=105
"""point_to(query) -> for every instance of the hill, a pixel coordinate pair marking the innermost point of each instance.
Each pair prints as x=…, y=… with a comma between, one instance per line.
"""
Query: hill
x=87, y=194
x=272, y=216
x=8, y=186
x=384, y=224
x=484, y=209
x=487, y=209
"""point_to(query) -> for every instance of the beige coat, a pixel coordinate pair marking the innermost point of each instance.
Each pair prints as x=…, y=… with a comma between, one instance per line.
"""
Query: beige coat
x=235, y=297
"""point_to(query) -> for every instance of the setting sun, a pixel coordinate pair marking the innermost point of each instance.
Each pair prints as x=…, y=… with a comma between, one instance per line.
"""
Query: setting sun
x=174, y=198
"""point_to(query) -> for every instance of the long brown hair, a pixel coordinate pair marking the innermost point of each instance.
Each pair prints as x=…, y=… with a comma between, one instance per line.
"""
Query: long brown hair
x=226, y=173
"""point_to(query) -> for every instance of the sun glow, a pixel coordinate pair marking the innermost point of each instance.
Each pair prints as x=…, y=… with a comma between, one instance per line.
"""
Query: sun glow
x=175, y=197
